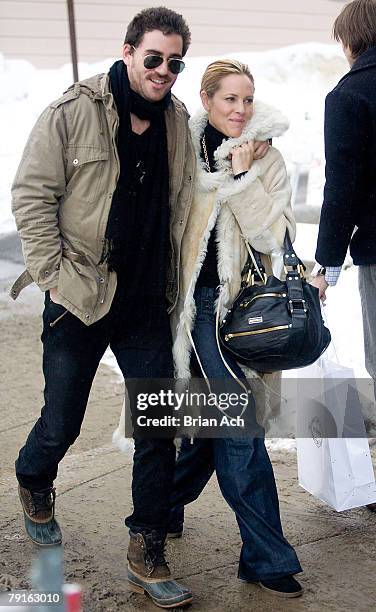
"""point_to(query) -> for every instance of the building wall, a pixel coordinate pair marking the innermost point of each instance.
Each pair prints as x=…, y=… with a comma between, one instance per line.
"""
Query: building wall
x=37, y=30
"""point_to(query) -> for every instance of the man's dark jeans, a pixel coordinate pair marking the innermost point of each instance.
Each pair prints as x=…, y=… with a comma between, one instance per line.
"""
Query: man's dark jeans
x=242, y=465
x=71, y=354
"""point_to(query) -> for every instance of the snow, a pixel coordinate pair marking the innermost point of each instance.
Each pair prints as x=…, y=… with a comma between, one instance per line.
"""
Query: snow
x=296, y=79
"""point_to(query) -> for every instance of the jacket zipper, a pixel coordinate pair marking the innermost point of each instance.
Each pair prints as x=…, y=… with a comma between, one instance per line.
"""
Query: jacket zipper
x=177, y=269
x=257, y=297
x=102, y=295
x=257, y=331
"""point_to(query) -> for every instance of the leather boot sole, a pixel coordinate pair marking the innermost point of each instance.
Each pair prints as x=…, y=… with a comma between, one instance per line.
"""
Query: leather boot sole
x=160, y=592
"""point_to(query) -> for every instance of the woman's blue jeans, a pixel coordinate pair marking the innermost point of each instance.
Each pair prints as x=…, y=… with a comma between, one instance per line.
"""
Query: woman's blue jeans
x=244, y=472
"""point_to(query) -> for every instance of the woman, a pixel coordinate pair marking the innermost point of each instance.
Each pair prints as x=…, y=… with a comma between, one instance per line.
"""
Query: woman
x=235, y=195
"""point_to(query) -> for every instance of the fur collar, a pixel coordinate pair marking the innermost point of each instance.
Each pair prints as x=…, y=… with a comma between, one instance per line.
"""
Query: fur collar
x=266, y=122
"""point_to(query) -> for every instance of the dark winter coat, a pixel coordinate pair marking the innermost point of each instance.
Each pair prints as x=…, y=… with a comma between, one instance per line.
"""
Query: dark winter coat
x=350, y=151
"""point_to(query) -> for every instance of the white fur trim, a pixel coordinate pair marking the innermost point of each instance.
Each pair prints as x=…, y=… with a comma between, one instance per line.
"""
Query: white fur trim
x=120, y=442
x=182, y=346
x=226, y=227
x=118, y=437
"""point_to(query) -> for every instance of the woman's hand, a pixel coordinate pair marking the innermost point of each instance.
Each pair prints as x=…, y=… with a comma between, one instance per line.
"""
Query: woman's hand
x=242, y=157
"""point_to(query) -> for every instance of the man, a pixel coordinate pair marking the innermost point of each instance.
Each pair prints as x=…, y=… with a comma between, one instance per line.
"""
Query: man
x=350, y=151
x=100, y=200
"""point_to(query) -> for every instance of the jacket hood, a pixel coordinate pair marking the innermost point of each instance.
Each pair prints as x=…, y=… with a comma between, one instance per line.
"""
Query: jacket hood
x=266, y=122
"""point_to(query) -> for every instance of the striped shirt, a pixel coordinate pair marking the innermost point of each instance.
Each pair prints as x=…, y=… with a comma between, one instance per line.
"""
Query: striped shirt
x=331, y=273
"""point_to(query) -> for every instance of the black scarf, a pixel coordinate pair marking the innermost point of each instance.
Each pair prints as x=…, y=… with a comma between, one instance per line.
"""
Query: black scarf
x=119, y=226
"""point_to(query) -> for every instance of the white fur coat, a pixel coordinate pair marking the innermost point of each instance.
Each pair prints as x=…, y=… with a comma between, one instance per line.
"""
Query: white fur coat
x=256, y=206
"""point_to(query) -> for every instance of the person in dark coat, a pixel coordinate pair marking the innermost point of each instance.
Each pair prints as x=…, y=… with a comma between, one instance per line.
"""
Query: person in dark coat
x=348, y=215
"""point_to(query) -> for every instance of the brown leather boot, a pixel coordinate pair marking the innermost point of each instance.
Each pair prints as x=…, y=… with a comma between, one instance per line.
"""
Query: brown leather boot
x=148, y=571
x=39, y=514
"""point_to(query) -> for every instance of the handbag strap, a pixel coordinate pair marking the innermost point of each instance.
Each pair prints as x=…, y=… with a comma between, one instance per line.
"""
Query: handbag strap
x=294, y=269
x=290, y=258
x=252, y=265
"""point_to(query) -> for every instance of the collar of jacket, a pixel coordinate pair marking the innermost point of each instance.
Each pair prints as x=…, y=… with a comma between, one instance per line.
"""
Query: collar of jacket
x=364, y=61
x=266, y=122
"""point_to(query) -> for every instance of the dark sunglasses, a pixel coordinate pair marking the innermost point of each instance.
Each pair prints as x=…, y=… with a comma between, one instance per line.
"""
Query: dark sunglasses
x=175, y=65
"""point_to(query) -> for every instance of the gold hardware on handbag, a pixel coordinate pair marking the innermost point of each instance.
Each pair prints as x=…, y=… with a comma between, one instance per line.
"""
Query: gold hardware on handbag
x=256, y=331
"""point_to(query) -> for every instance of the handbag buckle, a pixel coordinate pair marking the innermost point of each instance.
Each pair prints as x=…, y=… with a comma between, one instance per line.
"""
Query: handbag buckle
x=293, y=305
x=250, y=279
x=299, y=269
x=263, y=278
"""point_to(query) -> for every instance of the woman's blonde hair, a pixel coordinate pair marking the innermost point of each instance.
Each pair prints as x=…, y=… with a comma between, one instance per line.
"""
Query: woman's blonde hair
x=219, y=69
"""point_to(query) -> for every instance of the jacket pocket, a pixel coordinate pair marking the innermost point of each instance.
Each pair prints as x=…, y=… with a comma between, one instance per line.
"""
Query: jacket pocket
x=55, y=312
x=85, y=168
x=78, y=284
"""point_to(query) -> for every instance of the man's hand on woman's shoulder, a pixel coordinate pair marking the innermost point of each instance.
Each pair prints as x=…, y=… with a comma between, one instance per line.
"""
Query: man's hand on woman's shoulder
x=261, y=147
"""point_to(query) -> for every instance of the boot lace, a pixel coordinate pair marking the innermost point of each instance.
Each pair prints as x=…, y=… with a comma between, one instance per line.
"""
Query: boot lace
x=43, y=500
x=155, y=550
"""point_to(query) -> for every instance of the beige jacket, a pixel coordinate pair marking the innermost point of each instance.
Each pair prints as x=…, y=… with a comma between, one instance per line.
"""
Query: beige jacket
x=62, y=195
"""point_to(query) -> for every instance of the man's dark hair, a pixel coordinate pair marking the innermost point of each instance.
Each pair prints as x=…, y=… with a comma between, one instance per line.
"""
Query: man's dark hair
x=157, y=18
x=355, y=26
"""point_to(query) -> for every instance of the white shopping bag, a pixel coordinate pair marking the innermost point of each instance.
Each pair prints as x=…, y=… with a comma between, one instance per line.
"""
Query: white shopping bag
x=334, y=462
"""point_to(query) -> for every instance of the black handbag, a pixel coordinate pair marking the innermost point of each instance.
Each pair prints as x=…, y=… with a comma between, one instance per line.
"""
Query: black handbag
x=275, y=325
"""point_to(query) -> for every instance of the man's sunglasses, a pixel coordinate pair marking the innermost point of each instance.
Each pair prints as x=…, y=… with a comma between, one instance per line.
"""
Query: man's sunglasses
x=175, y=65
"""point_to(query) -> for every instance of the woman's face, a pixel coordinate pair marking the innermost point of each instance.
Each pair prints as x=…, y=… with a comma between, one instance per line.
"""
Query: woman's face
x=231, y=107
